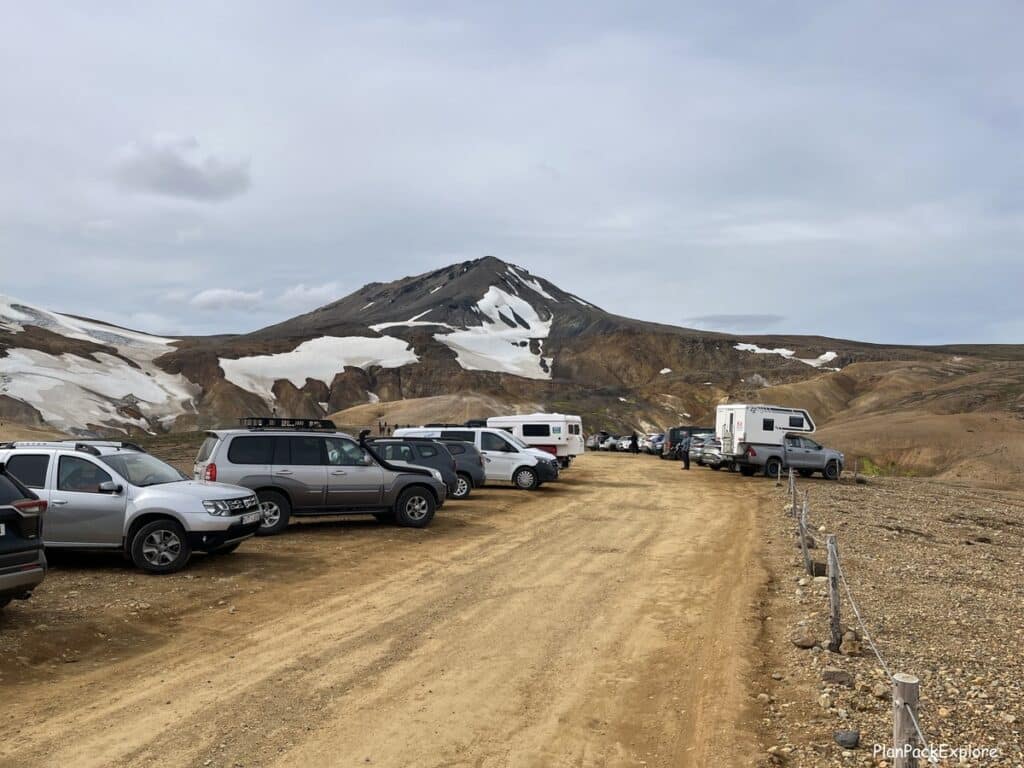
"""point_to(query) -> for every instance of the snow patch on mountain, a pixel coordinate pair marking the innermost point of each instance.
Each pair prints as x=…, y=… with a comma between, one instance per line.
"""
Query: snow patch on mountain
x=414, y=322
x=319, y=359
x=530, y=283
x=503, y=342
x=789, y=354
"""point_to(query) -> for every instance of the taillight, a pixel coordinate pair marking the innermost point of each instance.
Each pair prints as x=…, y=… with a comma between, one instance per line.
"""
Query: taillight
x=210, y=475
x=31, y=506
x=751, y=451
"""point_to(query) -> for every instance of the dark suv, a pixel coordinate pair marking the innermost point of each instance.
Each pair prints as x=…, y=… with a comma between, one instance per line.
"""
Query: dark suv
x=22, y=562
x=469, y=464
x=419, y=451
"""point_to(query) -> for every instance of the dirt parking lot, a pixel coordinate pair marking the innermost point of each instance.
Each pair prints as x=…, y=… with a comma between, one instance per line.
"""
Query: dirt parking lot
x=609, y=619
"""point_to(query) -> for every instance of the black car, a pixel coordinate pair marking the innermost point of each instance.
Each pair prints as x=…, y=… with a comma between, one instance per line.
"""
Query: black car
x=420, y=452
x=22, y=562
x=469, y=465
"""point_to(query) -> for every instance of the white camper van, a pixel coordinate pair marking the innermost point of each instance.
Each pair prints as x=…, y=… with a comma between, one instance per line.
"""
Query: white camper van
x=739, y=426
x=556, y=433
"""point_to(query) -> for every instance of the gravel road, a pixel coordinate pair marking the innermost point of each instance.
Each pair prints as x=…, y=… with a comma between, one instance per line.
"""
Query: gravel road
x=605, y=620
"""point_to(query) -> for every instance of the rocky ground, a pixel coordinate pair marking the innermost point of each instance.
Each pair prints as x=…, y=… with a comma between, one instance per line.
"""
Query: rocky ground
x=936, y=570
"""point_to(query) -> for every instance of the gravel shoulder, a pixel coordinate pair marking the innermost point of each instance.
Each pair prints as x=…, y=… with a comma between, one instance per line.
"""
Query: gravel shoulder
x=606, y=620
x=937, y=570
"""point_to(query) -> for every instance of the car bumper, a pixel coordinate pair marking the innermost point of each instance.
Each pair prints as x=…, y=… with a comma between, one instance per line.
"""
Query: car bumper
x=547, y=471
x=18, y=581
x=204, y=541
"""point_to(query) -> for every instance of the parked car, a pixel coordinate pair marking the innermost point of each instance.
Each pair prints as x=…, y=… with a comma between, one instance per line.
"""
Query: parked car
x=610, y=443
x=506, y=458
x=654, y=444
x=670, y=446
x=801, y=453
x=469, y=465
x=114, y=496
x=594, y=441
x=697, y=445
x=422, y=452
x=22, y=560
x=300, y=467
x=624, y=442
x=711, y=454
x=559, y=434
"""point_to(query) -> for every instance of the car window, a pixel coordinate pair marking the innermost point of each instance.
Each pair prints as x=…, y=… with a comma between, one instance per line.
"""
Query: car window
x=768, y=425
x=142, y=469
x=206, y=449
x=254, y=449
x=9, y=490
x=492, y=442
x=458, y=435
x=536, y=430
x=305, y=451
x=455, y=448
x=79, y=475
x=793, y=442
x=342, y=452
x=398, y=452
x=796, y=422
x=30, y=468
x=811, y=444
x=426, y=451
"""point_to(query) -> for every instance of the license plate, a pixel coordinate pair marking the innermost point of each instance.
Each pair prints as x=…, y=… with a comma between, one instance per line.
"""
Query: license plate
x=252, y=517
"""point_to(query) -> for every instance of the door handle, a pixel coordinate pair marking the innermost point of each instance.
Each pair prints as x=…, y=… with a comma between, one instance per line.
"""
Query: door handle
x=284, y=472
x=339, y=472
x=58, y=502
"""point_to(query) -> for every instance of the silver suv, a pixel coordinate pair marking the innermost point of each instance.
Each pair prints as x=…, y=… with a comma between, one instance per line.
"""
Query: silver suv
x=306, y=467
x=108, y=495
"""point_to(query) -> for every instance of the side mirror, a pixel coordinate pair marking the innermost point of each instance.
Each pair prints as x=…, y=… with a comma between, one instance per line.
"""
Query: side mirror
x=367, y=460
x=109, y=486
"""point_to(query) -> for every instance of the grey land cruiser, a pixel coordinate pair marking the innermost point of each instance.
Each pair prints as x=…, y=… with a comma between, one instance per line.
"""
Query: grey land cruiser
x=300, y=467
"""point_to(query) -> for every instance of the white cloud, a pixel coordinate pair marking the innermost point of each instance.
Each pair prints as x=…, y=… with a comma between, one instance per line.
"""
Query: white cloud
x=173, y=166
x=226, y=298
x=303, y=296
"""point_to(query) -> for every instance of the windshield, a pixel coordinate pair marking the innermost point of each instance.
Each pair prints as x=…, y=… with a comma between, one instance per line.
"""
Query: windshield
x=141, y=469
x=517, y=441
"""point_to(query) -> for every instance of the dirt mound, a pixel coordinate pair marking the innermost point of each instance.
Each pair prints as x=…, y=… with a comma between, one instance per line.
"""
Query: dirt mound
x=431, y=410
x=11, y=431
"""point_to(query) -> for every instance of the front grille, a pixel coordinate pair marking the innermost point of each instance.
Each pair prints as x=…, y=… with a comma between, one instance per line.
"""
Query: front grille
x=242, y=505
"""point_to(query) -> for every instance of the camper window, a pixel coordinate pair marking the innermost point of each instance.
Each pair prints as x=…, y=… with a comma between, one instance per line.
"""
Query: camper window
x=768, y=425
x=536, y=430
x=796, y=422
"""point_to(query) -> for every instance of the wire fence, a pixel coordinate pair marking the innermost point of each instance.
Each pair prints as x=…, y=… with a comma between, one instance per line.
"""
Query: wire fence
x=900, y=707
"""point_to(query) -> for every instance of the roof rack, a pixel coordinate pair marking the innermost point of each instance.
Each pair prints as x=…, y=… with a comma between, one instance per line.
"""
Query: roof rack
x=278, y=422
x=119, y=444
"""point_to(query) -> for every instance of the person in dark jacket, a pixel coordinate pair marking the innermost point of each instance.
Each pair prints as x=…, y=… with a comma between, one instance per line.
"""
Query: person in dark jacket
x=634, y=444
x=684, y=449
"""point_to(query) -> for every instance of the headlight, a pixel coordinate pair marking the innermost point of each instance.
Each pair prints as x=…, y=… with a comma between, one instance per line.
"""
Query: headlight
x=437, y=475
x=217, y=507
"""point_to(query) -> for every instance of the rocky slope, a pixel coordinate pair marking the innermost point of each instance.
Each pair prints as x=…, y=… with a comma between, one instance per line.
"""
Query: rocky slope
x=482, y=326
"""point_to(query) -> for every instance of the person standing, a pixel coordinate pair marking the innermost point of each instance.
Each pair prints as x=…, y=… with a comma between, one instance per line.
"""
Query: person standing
x=634, y=444
x=684, y=448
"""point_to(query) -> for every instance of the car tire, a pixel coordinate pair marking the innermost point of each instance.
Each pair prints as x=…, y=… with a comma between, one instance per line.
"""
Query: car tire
x=715, y=467
x=463, y=487
x=773, y=467
x=415, y=507
x=525, y=479
x=225, y=549
x=160, y=547
x=277, y=511
x=831, y=471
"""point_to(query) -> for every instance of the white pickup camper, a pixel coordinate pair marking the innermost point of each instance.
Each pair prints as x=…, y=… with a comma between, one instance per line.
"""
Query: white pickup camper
x=558, y=434
x=739, y=426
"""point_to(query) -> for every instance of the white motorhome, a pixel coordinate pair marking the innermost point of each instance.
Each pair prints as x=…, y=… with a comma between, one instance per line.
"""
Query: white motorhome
x=556, y=433
x=740, y=425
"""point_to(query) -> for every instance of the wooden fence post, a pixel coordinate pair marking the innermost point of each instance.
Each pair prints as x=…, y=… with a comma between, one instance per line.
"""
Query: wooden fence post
x=834, y=625
x=905, y=691
x=802, y=530
x=792, y=493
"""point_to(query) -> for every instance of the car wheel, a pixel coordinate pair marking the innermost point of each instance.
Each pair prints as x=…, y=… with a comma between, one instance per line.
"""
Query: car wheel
x=525, y=479
x=715, y=467
x=463, y=487
x=276, y=513
x=160, y=547
x=415, y=508
x=773, y=467
x=226, y=549
x=831, y=470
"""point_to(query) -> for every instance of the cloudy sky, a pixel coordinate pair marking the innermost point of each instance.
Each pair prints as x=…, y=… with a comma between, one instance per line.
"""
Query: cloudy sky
x=850, y=169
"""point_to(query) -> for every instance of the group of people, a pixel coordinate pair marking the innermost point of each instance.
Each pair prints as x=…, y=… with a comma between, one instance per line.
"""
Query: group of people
x=383, y=428
x=684, y=447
